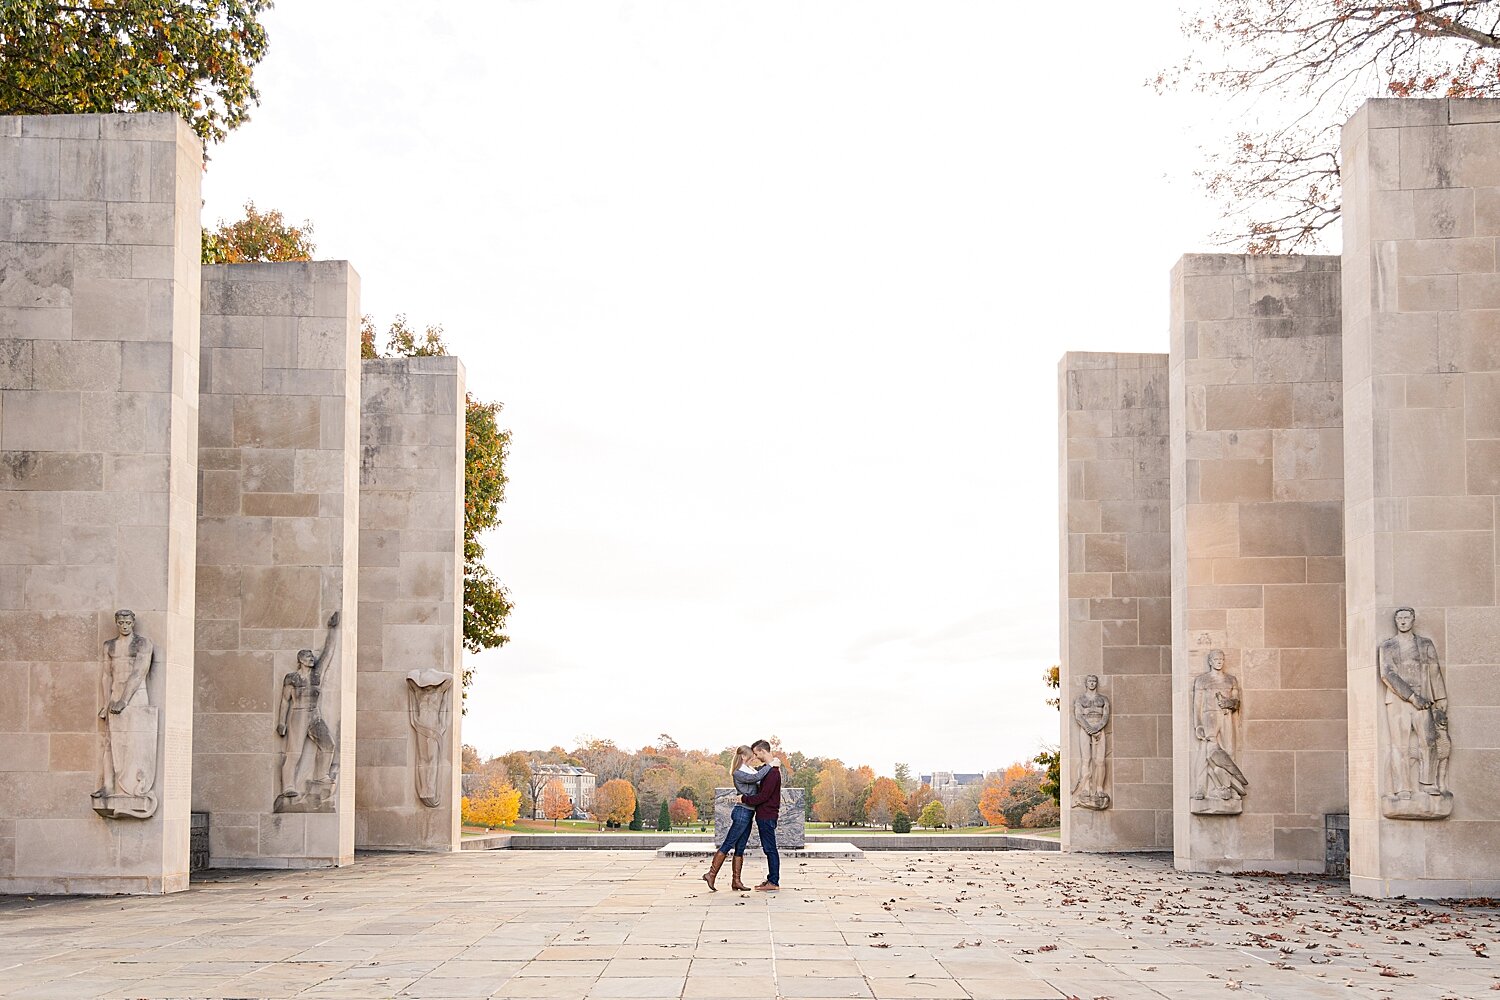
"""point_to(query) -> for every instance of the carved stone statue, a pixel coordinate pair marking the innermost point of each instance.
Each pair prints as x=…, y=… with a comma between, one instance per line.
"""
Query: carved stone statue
x=130, y=724
x=1218, y=783
x=1090, y=746
x=427, y=705
x=309, y=752
x=1416, y=713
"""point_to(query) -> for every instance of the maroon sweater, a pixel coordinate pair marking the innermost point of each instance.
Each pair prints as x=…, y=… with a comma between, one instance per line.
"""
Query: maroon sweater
x=767, y=801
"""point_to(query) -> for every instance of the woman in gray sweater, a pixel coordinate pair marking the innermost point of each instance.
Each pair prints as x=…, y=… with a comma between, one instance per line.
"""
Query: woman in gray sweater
x=747, y=781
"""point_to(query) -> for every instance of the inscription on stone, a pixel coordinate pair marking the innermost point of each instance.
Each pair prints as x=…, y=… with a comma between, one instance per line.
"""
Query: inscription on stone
x=1219, y=786
x=1416, y=713
x=1091, y=746
x=309, y=754
x=128, y=757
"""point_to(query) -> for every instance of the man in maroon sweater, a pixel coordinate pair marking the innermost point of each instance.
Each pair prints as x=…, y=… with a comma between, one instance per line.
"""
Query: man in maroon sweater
x=767, y=805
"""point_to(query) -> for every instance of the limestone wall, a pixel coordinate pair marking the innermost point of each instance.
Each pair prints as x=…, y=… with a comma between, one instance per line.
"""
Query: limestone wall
x=1116, y=611
x=277, y=549
x=98, y=454
x=1422, y=461
x=411, y=488
x=1257, y=555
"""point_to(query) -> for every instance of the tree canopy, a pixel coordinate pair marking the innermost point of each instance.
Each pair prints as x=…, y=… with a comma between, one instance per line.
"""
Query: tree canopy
x=259, y=236
x=1279, y=179
x=192, y=57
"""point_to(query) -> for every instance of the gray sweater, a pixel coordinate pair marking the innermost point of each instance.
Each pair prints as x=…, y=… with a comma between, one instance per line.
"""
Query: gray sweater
x=749, y=784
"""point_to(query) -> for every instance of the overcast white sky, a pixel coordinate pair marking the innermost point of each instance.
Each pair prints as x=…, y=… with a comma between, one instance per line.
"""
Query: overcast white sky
x=773, y=295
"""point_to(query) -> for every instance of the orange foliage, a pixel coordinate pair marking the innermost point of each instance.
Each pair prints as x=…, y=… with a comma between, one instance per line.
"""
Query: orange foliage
x=555, y=802
x=614, y=802
x=884, y=801
x=683, y=811
x=991, y=800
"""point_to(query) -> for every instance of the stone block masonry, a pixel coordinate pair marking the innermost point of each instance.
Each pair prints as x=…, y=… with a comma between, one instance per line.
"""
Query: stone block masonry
x=1116, y=603
x=1257, y=560
x=1421, y=290
x=99, y=308
x=278, y=518
x=411, y=468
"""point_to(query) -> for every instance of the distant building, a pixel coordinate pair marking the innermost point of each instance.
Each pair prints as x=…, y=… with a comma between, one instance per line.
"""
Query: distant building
x=578, y=782
x=949, y=785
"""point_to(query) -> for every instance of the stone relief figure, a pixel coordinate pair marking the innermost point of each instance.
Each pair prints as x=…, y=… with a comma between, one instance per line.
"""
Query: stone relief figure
x=130, y=724
x=1416, y=713
x=309, y=752
x=427, y=706
x=1218, y=783
x=1090, y=746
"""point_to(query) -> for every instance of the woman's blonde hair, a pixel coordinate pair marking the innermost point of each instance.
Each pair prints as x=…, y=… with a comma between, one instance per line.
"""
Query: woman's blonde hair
x=741, y=753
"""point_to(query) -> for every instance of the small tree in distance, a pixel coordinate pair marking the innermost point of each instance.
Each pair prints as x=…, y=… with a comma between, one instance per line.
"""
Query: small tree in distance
x=664, y=818
x=555, y=803
x=991, y=802
x=682, y=811
x=901, y=823
x=884, y=801
x=934, y=815
x=614, y=803
x=637, y=821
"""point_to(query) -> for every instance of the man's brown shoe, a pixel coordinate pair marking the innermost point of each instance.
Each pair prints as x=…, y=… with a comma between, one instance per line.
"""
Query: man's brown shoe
x=768, y=887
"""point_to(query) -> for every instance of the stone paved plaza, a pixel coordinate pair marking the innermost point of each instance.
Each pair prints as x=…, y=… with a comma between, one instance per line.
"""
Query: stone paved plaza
x=585, y=924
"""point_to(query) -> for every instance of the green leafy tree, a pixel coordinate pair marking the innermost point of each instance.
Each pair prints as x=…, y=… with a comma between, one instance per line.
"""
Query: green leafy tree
x=934, y=815
x=192, y=57
x=901, y=823
x=638, y=821
x=664, y=818
x=1051, y=760
x=487, y=603
x=259, y=236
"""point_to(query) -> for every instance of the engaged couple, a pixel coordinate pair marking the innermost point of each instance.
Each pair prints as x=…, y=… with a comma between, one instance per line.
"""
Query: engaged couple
x=757, y=777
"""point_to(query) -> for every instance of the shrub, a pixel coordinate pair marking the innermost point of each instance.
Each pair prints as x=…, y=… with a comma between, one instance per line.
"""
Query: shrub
x=901, y=823
x=1042, y=816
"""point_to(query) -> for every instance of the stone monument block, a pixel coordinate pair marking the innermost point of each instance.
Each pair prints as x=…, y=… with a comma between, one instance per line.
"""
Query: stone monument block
x=99, y=275
x=1421, y=357
x=411, y=484
x=791, y=826
x=1116, y=603
x=278, y=449
x=1257, y=561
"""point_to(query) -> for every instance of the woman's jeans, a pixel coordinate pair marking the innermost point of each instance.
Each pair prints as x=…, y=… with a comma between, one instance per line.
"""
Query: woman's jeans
x=768, y=844
x=739, y=831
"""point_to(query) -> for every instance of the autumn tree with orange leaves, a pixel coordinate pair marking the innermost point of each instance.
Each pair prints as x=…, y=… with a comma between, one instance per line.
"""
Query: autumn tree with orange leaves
x=1279, y=179
x=682, y=811
x=555, y=802
x=614, y=802
x=884, y=801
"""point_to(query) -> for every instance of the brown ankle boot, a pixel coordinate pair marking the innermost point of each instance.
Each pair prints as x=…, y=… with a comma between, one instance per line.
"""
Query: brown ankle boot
x=713, y=870
x=736, y=884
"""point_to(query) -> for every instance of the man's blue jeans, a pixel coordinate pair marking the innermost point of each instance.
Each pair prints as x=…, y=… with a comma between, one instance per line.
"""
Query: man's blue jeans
x=739, y=831
x=768, y=844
